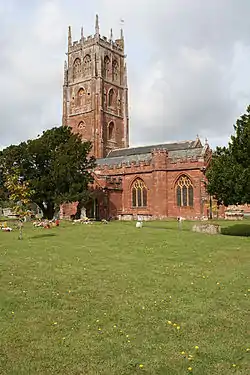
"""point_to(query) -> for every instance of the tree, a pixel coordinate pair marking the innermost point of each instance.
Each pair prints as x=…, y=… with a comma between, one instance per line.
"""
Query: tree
x=229, y=172
x=19, y=193
x=56, y=166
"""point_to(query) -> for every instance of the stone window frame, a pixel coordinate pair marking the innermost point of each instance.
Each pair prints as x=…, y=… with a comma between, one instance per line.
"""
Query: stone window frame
x=115, y=70
x=111, y=130
x=139, y=194
x=87, y=64
x=106, y=66
x=81, y=97
x=81, y=125
x=77, y=67
x=184, y=191
x=111, y=97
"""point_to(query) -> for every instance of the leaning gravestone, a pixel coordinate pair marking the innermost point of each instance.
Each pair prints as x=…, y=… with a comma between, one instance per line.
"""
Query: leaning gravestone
x=207, y=228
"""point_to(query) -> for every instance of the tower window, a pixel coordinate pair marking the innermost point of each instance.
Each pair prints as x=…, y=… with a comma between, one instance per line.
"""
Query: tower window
x=111, y=98
x=87, y=65
x=81, y=125
x=184, y=192
x=139, y=193
x=111, y=128
x=115, y=70
x=106, y=66
x=77, y=68
x=80, y=97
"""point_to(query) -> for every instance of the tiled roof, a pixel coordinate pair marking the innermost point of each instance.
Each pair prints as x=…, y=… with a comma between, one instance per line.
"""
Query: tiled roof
x=176, y=150
x=146, y=149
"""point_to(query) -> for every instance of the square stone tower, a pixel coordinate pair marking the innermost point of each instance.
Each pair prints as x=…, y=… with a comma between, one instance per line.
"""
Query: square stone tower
x=95, y=91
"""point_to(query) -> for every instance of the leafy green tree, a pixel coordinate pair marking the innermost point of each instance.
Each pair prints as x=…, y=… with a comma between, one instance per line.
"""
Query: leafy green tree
x=229, y=173
x=19, y=194
x=56, y=166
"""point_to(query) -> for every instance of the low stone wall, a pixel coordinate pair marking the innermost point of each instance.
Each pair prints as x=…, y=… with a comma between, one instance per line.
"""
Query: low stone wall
x=207, y=228
x=234, y=215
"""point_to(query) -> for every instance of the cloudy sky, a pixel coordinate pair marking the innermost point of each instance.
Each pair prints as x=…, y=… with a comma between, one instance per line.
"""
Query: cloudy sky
x=188, y=64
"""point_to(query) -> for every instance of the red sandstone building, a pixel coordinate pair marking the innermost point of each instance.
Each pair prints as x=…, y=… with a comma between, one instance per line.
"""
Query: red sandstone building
x=159, y=181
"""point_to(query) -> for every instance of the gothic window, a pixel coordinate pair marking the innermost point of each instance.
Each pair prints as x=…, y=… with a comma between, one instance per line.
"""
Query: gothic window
x=111, y=129
x=139, y=194
x=81, y=125
x=106, y=66
x=77, y=68
x=111, y=98
x=80, y=97
x=184, y=192
x=115, y=70
x=87, y=65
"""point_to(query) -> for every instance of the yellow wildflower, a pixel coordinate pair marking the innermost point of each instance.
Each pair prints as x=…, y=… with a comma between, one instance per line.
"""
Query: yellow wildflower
x=183, y=353
x=169, y=322
x=234, y=365
x=141, y=366
x=190, y=368
x=196, y=347
x=178, y=327
x=174, y=324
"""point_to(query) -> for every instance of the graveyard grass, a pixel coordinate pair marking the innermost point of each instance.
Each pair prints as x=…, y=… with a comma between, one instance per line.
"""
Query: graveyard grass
x=116, y=300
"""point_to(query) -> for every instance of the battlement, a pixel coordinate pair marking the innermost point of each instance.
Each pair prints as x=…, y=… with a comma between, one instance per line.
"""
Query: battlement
x=116, y=45
x=120, y=167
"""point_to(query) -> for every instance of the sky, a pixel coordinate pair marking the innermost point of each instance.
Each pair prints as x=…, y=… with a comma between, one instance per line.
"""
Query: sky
x=188, y=64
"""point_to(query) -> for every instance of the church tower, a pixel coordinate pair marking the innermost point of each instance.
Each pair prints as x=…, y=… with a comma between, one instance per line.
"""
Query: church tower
x=95, y=91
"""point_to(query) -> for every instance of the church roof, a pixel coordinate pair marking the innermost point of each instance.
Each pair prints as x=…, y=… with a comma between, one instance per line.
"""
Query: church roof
x=136, y=154
x=184, y=145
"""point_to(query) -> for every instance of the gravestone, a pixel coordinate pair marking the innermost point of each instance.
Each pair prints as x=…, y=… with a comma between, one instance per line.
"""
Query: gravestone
x=207, y=228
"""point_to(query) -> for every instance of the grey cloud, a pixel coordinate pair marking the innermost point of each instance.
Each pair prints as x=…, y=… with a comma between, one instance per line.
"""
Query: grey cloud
x=187, y=63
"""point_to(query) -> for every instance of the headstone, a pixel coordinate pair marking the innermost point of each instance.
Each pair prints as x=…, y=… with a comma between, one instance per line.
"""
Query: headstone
x=83, y=213
x=207, y=228
x=138, y=224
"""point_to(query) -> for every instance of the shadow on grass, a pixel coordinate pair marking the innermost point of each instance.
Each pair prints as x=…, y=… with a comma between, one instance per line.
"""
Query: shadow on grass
x=242, y=230
x=43, y=235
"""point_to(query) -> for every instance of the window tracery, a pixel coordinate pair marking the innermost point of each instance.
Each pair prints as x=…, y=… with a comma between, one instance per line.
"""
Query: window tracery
x=77, y=68
x=81, y=125
x=184, y=192
x=139, y=193
x=106, y=66
x=80, y=97
x=115, y=70
x=87, y=65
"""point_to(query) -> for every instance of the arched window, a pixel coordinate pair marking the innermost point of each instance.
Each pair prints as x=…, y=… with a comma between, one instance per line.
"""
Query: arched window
x=106, y=66
x=115, y=70
x=111, y=128
x=81, y=125
x=87, y=65
x=111, y=98
x=139, y=193
x=77, y=68
x=80, y=97
x=184, y=192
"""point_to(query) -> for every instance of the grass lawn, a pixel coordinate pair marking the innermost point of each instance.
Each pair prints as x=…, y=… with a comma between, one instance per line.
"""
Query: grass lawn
x=116, y=300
